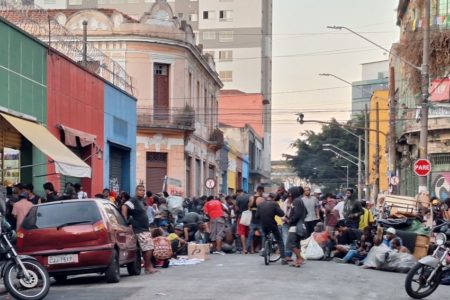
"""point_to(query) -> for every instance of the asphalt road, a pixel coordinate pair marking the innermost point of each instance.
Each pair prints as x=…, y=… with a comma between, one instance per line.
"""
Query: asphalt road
x=243, y=277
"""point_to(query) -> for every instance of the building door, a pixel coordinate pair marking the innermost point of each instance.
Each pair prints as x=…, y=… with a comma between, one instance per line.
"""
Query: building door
x=161, y=92
x=115, y=169
x=156, y=171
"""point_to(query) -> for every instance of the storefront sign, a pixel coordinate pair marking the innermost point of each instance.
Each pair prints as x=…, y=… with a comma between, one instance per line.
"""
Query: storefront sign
x=440, y=90
x=439, y=110
x=173, y=186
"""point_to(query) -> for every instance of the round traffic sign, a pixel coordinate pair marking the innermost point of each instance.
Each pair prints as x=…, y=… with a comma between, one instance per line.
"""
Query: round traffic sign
x=210, y=183
x=422, y=167
x=394, y=180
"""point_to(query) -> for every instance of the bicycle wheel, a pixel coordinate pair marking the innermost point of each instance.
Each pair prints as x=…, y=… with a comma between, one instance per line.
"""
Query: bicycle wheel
x=267, y=250
x=274, y=254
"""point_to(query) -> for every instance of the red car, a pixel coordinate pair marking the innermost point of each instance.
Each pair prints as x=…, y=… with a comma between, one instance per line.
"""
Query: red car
x=80, y=236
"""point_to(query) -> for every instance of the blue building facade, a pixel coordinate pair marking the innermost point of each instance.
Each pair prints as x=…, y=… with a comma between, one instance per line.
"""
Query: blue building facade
x=245, y=173
x=119, y=155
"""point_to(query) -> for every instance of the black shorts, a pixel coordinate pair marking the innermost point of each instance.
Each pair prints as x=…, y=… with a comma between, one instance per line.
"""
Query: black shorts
x=293, y=241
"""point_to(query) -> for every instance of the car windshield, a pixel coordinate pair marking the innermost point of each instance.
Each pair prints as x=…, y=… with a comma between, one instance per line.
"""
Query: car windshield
x=57, y=215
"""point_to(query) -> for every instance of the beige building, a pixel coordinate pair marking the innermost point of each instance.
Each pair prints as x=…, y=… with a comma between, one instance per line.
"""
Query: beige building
x=177, y=89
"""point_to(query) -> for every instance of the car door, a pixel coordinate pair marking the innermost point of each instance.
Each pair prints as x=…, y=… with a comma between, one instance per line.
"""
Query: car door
x=119, y=232
x=130, y=237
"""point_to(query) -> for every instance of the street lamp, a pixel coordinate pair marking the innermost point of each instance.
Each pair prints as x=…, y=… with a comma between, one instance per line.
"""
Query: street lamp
x=301, y=120
x=423, y=136
x=347, y=175
x=358, y=159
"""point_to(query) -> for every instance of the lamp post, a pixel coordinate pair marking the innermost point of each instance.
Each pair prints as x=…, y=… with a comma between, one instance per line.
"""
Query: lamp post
x=358, y=164
x=301, y=120
x=347, y=173
x=423, y=136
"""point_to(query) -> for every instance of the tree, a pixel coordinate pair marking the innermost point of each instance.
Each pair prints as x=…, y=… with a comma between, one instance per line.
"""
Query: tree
x=321, y=167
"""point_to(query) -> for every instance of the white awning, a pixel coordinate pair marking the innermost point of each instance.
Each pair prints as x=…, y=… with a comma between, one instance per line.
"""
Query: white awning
x=66, y=162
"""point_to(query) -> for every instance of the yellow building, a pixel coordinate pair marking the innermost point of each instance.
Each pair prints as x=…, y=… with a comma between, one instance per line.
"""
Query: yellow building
x=380, y=97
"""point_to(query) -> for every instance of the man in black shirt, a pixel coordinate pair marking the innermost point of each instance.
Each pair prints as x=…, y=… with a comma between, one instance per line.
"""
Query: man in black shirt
x=136, y=208
x=242, y=200
x=266, y=213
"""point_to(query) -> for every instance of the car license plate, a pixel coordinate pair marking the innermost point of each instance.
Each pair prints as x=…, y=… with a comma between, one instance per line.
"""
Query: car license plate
x=63, y=259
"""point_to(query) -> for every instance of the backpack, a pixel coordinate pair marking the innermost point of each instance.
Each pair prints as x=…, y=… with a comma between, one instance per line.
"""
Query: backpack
x=163, y=248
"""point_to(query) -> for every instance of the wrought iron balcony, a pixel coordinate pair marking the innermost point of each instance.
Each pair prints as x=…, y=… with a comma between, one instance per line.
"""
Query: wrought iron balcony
x=166, y=118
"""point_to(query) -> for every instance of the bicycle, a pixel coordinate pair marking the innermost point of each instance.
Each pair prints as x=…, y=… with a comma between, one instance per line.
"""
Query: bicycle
x=271, y=251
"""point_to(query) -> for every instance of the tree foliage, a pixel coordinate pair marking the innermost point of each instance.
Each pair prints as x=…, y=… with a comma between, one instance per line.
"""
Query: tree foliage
x=324, y=168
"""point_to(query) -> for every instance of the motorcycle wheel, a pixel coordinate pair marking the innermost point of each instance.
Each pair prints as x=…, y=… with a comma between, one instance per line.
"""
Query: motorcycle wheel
x=36, y=287
x=416, y=281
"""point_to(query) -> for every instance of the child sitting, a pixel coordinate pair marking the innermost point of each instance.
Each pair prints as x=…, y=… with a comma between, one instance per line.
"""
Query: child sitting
x=163, y=249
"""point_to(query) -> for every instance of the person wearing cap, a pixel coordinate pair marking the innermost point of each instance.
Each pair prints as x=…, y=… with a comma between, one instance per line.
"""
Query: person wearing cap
x=21, y=208
x=390, y=235
x=176, y=240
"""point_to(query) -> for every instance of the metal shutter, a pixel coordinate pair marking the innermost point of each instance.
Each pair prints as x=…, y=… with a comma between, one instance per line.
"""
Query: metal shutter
x=115, y=166
x=156, y=171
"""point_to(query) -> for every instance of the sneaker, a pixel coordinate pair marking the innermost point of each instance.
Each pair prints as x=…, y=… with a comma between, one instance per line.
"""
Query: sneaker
x=339, y=260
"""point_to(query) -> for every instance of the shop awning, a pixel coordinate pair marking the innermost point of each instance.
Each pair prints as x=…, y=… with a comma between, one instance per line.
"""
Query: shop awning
x=71, y=136
x=66, y=162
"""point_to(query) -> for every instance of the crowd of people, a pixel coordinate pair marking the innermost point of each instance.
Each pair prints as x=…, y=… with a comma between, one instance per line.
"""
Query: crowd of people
x=164, y=225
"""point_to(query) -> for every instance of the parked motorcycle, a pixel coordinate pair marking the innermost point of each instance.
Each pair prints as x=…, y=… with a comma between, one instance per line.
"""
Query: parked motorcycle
x=424, y=278
x=24, y=277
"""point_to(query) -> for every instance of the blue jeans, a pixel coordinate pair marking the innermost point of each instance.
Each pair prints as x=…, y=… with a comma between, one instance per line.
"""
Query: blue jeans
x=285, y=231
x=353, y=254
x=251, y=234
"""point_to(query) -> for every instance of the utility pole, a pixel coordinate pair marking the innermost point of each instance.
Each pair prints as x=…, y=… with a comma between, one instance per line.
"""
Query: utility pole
x=359, y=169
x=366, y=152
x=85, y=23
x=423, y=138
x=376, y=188
x=392, y=132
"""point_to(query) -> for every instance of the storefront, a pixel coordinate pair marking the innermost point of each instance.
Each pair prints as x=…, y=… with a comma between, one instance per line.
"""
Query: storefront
x=120, y=140
x=60, y=158
x=75, y=116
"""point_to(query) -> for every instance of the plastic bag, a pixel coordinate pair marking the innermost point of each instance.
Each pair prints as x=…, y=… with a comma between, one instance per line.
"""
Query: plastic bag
x=246, y=218
x=175, y=204
x=313, y=250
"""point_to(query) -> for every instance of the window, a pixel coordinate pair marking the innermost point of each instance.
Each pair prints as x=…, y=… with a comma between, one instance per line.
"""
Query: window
x=226, y=55
x=226, y=15
x=209, y=15
x=444, y=7
x=226, y=36
x=49, y=1
x=180, y=15
x=226, y=76
x=48, y=216
x=161, y=69
x=75, y=2
x=209, y=35
x=193, y=17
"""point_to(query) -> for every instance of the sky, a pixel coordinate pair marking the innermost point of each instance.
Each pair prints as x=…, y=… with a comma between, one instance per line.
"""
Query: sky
x=303, y=47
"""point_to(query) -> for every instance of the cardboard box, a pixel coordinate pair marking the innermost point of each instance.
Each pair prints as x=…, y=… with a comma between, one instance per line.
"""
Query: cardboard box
x=200, y=251
x=422, y=244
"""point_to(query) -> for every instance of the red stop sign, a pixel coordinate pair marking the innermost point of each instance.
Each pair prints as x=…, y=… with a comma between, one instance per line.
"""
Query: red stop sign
x=422, y=167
